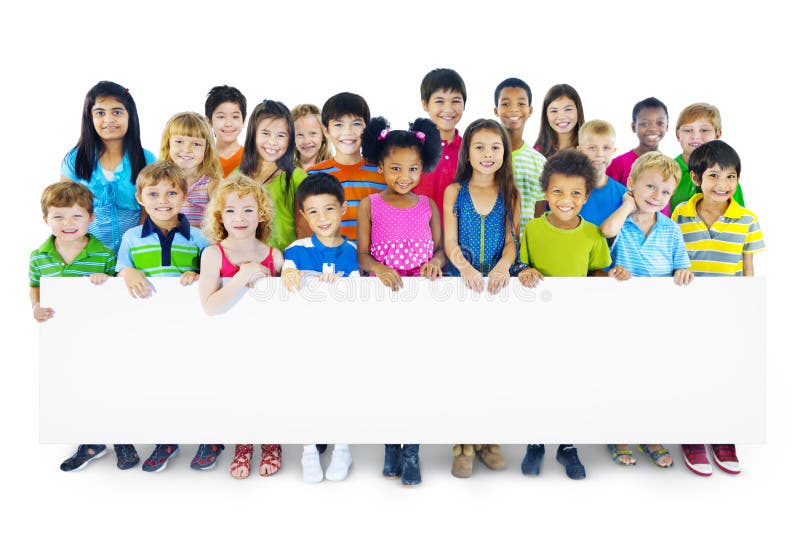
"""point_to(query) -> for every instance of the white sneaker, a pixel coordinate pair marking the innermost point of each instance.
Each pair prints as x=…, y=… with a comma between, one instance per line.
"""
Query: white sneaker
x=341, y=460
x=312, y=469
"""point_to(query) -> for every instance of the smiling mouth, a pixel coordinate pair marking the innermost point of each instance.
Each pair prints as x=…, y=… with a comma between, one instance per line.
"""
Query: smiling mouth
x=163, y=208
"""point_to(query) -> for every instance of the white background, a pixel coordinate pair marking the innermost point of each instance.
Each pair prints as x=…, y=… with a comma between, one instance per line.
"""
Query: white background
x=169, y=55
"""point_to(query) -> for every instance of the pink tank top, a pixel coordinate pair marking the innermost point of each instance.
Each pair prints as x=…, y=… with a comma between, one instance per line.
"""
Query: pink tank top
x=401, y=237
x=228, y=269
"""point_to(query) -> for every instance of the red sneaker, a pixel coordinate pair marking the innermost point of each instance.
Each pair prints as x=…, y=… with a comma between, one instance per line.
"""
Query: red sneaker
x=696, y=459
x=725, y=458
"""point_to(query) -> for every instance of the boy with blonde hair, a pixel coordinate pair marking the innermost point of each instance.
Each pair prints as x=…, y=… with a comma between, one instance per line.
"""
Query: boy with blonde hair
x=596, y=141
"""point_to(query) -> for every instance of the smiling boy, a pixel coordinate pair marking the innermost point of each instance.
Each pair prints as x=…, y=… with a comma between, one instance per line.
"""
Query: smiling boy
x=225, y=109
x=596, y=140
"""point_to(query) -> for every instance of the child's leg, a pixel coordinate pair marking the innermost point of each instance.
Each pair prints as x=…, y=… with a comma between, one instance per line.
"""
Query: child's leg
x=696, y=459
x=622, y=454
x=83, y=455
x=463, y=458
x=240, y=465
x=157, y=461
x=658, y=454
x=206, y=456
x=312, y=468
x=341, y=460
x=391, y=461
x=726, y=459
x=270, y=460
x=532, y=462
x=567, y=455
x=490, y=455
x=410, y=465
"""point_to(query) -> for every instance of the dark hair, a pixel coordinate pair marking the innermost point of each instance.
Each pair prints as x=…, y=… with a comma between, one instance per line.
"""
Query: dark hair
x=512, y=82
x=267, y=109
x=504, y=177
x=569, y=162
x=651, y=102
x=342, y=104
x=90, y=146
x=713, y=153
x=442, y=79
x=421, y=135
x=225, y=93
x=319, y=183
x=547, y=140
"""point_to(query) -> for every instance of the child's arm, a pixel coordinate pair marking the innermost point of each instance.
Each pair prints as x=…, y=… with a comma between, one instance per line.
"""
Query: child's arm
x=433, y=268
x=40, y=314
x=500, y=275
x=473, y=279
x=137, y=283
x=683, y=277
x=747, y=264
x=618, y=272
x=213, y=298
x=366, y=262
x=613, y=224
x=529, y=277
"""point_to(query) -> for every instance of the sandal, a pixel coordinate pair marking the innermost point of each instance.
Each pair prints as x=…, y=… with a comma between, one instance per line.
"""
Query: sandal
x=241, y=459
x=616, y=452
x=270, y=460
x=657, y=455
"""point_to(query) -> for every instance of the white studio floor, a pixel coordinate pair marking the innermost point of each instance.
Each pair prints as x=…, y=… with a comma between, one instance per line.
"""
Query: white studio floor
x=612, y=504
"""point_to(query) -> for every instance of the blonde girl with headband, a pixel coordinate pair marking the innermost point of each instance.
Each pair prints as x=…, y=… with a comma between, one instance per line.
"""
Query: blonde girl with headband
x=187, y=141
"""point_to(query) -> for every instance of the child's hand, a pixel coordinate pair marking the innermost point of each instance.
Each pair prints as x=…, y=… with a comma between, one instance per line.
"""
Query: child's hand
x=431, y=271
x=682, y=277
x=620, y=273
x=330, y=277
x=628, y=202
x=189, y=277
x=498, y=279
x=252, y=271
x=291, y=279
x=137, y=283
x=389, y=277
x=530, y=277
x=473, y=279
x=98, y=278
x=42, y=314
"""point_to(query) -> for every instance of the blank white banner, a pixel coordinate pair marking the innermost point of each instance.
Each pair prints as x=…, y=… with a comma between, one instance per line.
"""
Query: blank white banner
x=583, y=360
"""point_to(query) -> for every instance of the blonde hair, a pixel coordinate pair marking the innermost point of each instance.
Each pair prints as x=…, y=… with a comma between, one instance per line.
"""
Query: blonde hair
x=193, y=125
x=655, y=160
x=324, y=153
x=159, y=171
x=700, y=110
x=595, y=127
x=67, y=194
x=243, y=185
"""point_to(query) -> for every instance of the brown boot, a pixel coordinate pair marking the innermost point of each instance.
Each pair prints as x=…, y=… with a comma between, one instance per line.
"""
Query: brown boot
x=491, y=457
x=463, y=458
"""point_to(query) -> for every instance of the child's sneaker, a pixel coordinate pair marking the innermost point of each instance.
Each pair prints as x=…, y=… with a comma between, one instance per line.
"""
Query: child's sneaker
x=206, y=456
x=567, y=455
x=84, y=455
x=696, y=459
x=391, y=461
x=340, y=464
x=725, y=458
x=157, y=461
x=127, y=457
x=532, y=461
x=312, y=468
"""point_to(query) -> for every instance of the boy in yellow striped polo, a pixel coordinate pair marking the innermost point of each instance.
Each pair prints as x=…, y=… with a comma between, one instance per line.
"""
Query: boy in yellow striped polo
x=164, y=245
x=721, y=237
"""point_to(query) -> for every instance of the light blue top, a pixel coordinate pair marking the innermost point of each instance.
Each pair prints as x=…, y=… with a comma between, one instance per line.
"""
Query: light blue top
x=660, y=253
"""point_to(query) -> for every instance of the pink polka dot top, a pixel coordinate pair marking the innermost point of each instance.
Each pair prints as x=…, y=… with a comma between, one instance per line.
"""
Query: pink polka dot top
x=401, y=237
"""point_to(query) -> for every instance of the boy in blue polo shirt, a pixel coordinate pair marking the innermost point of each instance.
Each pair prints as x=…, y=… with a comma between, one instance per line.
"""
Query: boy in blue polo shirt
x=320, y=198
x=164, y=245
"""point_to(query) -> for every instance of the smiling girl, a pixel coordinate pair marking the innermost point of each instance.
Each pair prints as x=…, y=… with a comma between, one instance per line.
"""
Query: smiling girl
x=311, y=144
x=562, y=116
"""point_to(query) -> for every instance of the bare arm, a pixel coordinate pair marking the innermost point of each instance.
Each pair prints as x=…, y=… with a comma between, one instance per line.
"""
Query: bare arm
x=40, y=314
x=215, y=298
x=747, y=265
x=433, y=268
x=613, y=223
x=366, y=262
x=472, y=277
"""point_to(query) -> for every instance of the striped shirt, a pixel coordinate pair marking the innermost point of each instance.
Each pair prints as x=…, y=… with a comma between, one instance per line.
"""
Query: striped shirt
x=528, y=165
x=96, y=257
x=196, y=201
x=358, y=182
x=659, y=253
x=149, y=250
x=718, y=251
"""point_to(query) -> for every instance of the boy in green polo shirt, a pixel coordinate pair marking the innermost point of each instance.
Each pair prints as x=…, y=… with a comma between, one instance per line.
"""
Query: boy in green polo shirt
x=68, y=209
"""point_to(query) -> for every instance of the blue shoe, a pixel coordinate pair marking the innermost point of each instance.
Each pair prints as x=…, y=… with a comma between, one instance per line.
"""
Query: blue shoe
x=322, y=447
x=127, y=457
x=392, y=466
x=567, y=456
x=409, y=461
x=206, y=456
x=84, y=455
x=157, y=461
x=532, y=462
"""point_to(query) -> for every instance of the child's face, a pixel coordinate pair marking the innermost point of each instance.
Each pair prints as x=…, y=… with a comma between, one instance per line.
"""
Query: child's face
x=562, y=115
x=651, y=192
x=68, y=223
x=600, y=150
x=650, y=127
x=324, y=214
x=565, y=195
x=693, y=135
x=718, y=184
x=162, y=201
x=513, y=108
x=227, y=121
x=187, y=152
x=272, y=138
x=486, y=151
x=345, y=134
x=401, y=169
x=308, y=137
x=110, y=118
x=445, y=109
x=240, y=215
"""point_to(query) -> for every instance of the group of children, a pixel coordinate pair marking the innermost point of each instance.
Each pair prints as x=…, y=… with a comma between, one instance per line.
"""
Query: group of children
x=392, y=203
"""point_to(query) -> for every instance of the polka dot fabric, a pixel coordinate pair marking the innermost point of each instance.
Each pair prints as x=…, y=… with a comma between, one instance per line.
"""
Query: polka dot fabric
x=401, y=237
